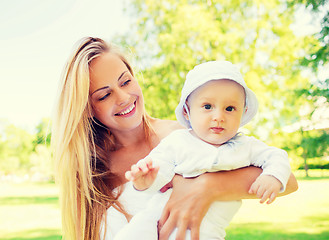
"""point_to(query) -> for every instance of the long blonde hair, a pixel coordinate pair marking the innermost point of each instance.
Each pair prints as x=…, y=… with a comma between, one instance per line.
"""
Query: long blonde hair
x=81, y=147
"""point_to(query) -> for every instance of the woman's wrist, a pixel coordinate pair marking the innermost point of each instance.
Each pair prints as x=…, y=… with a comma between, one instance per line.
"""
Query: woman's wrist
x=208, y=186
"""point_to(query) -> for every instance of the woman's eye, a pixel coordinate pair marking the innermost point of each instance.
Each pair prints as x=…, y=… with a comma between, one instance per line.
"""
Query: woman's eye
x=104, y=97
x=126, y=83
x=207, y=106
x=230, y=109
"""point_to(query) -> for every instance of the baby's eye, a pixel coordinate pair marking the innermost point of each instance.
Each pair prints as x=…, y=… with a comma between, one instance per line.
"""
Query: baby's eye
x=207, y=106
x=230, y=109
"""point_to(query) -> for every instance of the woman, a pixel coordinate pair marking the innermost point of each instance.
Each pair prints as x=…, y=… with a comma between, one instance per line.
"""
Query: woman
x=100, y=130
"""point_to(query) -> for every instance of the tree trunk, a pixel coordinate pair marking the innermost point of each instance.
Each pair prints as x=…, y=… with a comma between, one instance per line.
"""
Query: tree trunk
x=305, y=165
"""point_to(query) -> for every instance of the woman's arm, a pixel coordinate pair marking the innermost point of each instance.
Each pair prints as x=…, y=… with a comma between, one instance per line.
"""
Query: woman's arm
x=237, y=184
x=191, y=198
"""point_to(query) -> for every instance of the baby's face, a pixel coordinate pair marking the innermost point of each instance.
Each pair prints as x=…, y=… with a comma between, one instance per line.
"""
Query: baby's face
x=216, y=110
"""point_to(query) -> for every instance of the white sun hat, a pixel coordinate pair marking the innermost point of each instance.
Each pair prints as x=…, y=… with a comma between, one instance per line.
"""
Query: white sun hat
x=215, y=70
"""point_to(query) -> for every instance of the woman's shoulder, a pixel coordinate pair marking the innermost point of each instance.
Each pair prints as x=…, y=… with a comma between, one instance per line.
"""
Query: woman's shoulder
x=164, y=127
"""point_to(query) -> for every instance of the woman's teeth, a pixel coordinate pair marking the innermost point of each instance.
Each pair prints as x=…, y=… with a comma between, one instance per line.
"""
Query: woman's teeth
x=128, y=110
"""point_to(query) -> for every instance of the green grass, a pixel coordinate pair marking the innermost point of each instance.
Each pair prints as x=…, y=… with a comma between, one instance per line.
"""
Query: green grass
x=303, y=215
x=31, y=211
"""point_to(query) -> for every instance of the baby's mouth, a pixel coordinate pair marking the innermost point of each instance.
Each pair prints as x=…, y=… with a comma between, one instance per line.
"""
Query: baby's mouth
x=217, y=129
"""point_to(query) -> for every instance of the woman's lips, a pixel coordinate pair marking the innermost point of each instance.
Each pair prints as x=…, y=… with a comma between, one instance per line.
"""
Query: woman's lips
x=217, y=129
x=127, y=111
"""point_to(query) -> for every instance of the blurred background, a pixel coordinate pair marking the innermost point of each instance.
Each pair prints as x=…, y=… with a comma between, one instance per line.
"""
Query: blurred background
x=281, y=47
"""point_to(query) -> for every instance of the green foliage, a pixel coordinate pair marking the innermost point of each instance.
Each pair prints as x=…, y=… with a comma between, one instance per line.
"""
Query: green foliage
x=319, y=54
x=43, y=134
x=318, y=93
x=174, y=36
x=22, y=152
x=315, y=143
x=171, y=37
x=17, y=145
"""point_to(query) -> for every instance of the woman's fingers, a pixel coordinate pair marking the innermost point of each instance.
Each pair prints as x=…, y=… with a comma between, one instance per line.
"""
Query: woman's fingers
x=165, y=227
x=181, y=231
x=195, y=233
x=163, y=219
x=185, y=209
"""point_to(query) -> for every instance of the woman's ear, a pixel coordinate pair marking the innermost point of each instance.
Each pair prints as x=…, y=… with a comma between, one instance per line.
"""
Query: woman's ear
x=91, y=111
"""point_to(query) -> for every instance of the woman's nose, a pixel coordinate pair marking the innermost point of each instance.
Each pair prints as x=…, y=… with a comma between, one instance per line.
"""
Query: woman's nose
x=122, y=97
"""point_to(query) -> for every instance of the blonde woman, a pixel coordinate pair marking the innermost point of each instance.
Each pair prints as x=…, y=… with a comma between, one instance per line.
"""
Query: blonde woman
x=99, y=131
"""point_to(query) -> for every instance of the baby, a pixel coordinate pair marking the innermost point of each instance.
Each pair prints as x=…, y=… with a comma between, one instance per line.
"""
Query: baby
x=215, y=102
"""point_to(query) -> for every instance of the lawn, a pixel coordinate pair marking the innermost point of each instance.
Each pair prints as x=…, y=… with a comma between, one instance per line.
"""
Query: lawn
x=303, y=215
x=31, y=211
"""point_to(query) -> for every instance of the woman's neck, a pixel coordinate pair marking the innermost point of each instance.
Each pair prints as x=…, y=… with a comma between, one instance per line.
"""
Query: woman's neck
x=131, y=146
x=130, y=138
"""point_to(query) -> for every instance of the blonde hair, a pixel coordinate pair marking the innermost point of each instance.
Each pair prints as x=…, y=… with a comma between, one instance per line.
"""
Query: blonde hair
x=81, y=147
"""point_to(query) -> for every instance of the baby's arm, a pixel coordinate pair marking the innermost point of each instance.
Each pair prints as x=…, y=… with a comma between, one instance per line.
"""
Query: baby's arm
x=266, y=187
x=276, y=170
x=142, y=174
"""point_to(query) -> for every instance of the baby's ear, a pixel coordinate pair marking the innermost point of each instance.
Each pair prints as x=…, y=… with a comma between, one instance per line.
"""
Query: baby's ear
x=185, y=109
x=245, y=110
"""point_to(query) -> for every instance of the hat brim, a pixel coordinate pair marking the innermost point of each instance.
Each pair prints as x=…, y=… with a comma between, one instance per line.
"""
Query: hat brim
x=251, y=106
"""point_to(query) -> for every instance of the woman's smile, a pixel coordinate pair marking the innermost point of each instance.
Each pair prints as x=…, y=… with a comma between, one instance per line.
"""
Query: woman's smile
x=128, y=111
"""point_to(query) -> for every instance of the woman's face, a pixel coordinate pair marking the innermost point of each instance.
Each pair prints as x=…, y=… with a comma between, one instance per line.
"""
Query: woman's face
x=115, y=94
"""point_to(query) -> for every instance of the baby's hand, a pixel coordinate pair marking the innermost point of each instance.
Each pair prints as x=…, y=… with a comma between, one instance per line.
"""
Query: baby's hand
x=266, y=187
x=142, y=174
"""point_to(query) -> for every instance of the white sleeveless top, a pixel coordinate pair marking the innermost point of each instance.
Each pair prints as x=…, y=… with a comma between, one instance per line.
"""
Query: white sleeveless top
x=133, y=201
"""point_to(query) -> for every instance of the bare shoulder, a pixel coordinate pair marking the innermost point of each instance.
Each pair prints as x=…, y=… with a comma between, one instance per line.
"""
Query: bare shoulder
x=164, y=127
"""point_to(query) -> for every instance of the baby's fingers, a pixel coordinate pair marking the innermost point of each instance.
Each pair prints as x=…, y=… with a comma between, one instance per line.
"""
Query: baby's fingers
x=254, y=188
x=272, y=198
x=129, y=176
x=142, y=166
x=135, y=172
x=149, y=163
x=264, y=196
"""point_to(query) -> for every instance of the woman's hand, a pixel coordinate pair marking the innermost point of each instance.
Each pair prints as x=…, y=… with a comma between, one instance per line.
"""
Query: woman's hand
x=188, y=204
x=191, y=198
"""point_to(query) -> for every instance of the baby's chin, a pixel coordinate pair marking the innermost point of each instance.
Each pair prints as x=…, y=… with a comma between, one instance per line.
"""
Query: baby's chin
x=213, y=142
x=217, y=140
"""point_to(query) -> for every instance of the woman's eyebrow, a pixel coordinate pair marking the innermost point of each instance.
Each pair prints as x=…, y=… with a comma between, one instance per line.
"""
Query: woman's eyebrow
x=100, y=89
x=122, y=75
x=108, y=86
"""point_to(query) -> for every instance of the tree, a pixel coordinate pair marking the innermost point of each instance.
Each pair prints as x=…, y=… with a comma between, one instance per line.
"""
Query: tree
x=43, y=133
x=319, y=54
x=17, y=145
x=24, y=153
x=171, y=37
x=317, y=93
